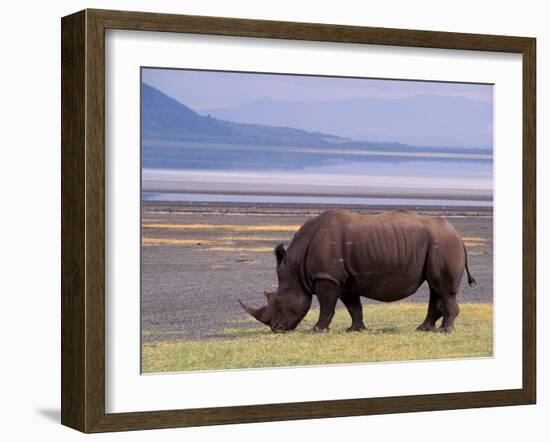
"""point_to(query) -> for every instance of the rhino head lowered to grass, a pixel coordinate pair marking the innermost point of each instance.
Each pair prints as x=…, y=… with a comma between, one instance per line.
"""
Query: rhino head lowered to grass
x=386, y=257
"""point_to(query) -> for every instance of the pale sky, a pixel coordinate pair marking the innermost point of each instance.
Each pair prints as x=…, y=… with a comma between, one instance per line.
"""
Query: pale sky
x=208, y=90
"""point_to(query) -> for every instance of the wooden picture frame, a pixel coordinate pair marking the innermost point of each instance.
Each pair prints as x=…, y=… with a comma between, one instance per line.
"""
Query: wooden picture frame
x=83, y=220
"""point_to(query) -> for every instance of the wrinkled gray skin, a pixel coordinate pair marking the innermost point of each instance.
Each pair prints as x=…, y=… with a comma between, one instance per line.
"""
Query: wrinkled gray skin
x=342, y=255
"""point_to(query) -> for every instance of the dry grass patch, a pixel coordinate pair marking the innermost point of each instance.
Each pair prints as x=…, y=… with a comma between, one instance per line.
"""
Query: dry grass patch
x=226, y=227
x=180, y=242
x=239, y=249
x=253, y=238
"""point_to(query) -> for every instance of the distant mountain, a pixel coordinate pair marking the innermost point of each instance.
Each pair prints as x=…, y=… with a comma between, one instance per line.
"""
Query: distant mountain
x=163, y=118
x=161, y=114
x=422, y=120
x=176, y=136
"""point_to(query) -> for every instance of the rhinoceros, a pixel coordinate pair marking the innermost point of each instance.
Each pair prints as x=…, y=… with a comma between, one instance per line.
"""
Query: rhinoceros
x=386, y=257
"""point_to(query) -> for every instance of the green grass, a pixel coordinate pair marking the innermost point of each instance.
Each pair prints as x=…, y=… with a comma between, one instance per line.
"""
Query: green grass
x=390, y=336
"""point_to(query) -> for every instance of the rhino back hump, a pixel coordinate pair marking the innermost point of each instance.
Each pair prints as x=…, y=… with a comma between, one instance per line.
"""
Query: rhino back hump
x=363, y=250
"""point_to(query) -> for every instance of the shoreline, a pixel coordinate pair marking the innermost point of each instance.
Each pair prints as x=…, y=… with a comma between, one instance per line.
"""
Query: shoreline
x=261, y=208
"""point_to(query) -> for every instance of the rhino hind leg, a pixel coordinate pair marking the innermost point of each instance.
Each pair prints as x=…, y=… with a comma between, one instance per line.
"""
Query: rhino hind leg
x=355, y=309
x=433, y=315
x=445, y=268
x=450, y=310
x=328, y=293
x=442, y=303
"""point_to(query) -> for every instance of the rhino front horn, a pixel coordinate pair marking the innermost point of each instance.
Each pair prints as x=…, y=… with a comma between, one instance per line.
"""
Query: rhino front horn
x=261, y=314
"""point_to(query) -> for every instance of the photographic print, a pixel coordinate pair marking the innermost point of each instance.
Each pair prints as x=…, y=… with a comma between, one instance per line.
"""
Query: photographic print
x=300, y=220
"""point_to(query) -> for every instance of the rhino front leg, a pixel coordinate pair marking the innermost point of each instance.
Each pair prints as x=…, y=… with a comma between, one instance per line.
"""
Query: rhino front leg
x=328, y=294
x=355, y=309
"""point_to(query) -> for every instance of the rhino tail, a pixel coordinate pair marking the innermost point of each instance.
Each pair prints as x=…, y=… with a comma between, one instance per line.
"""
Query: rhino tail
x=471, y=279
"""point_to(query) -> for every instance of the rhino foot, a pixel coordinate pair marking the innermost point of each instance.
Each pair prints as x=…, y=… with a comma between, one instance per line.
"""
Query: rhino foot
x=448, y=329
x=318, y=329
x=426, y=328
x=356, y=328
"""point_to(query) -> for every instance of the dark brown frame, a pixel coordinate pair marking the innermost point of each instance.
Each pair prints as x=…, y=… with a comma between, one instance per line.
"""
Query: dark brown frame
x=83, y=217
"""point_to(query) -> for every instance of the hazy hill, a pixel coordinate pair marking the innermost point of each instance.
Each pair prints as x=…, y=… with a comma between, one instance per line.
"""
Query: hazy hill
x=164, y=118
x=422, y=120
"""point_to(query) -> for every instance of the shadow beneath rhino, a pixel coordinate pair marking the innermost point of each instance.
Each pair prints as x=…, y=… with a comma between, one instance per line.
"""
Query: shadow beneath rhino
x=249, y=331
x=239, y=332
x=386, y=330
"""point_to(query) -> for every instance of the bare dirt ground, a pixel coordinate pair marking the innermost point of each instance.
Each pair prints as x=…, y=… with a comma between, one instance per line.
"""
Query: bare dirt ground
x=199, y=258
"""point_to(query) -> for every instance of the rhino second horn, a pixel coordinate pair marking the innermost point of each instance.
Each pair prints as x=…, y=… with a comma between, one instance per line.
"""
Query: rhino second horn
x=260, y=314
x=269, y=296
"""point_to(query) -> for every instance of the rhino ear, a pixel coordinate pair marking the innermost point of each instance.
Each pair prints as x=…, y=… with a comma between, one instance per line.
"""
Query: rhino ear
x=280, y=254
x=269, y=296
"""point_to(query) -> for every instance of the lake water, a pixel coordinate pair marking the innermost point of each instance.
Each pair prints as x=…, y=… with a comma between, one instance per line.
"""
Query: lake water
x=354, y=180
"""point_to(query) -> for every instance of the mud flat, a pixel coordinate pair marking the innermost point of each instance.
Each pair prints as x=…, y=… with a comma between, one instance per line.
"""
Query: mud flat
x=199, y=258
